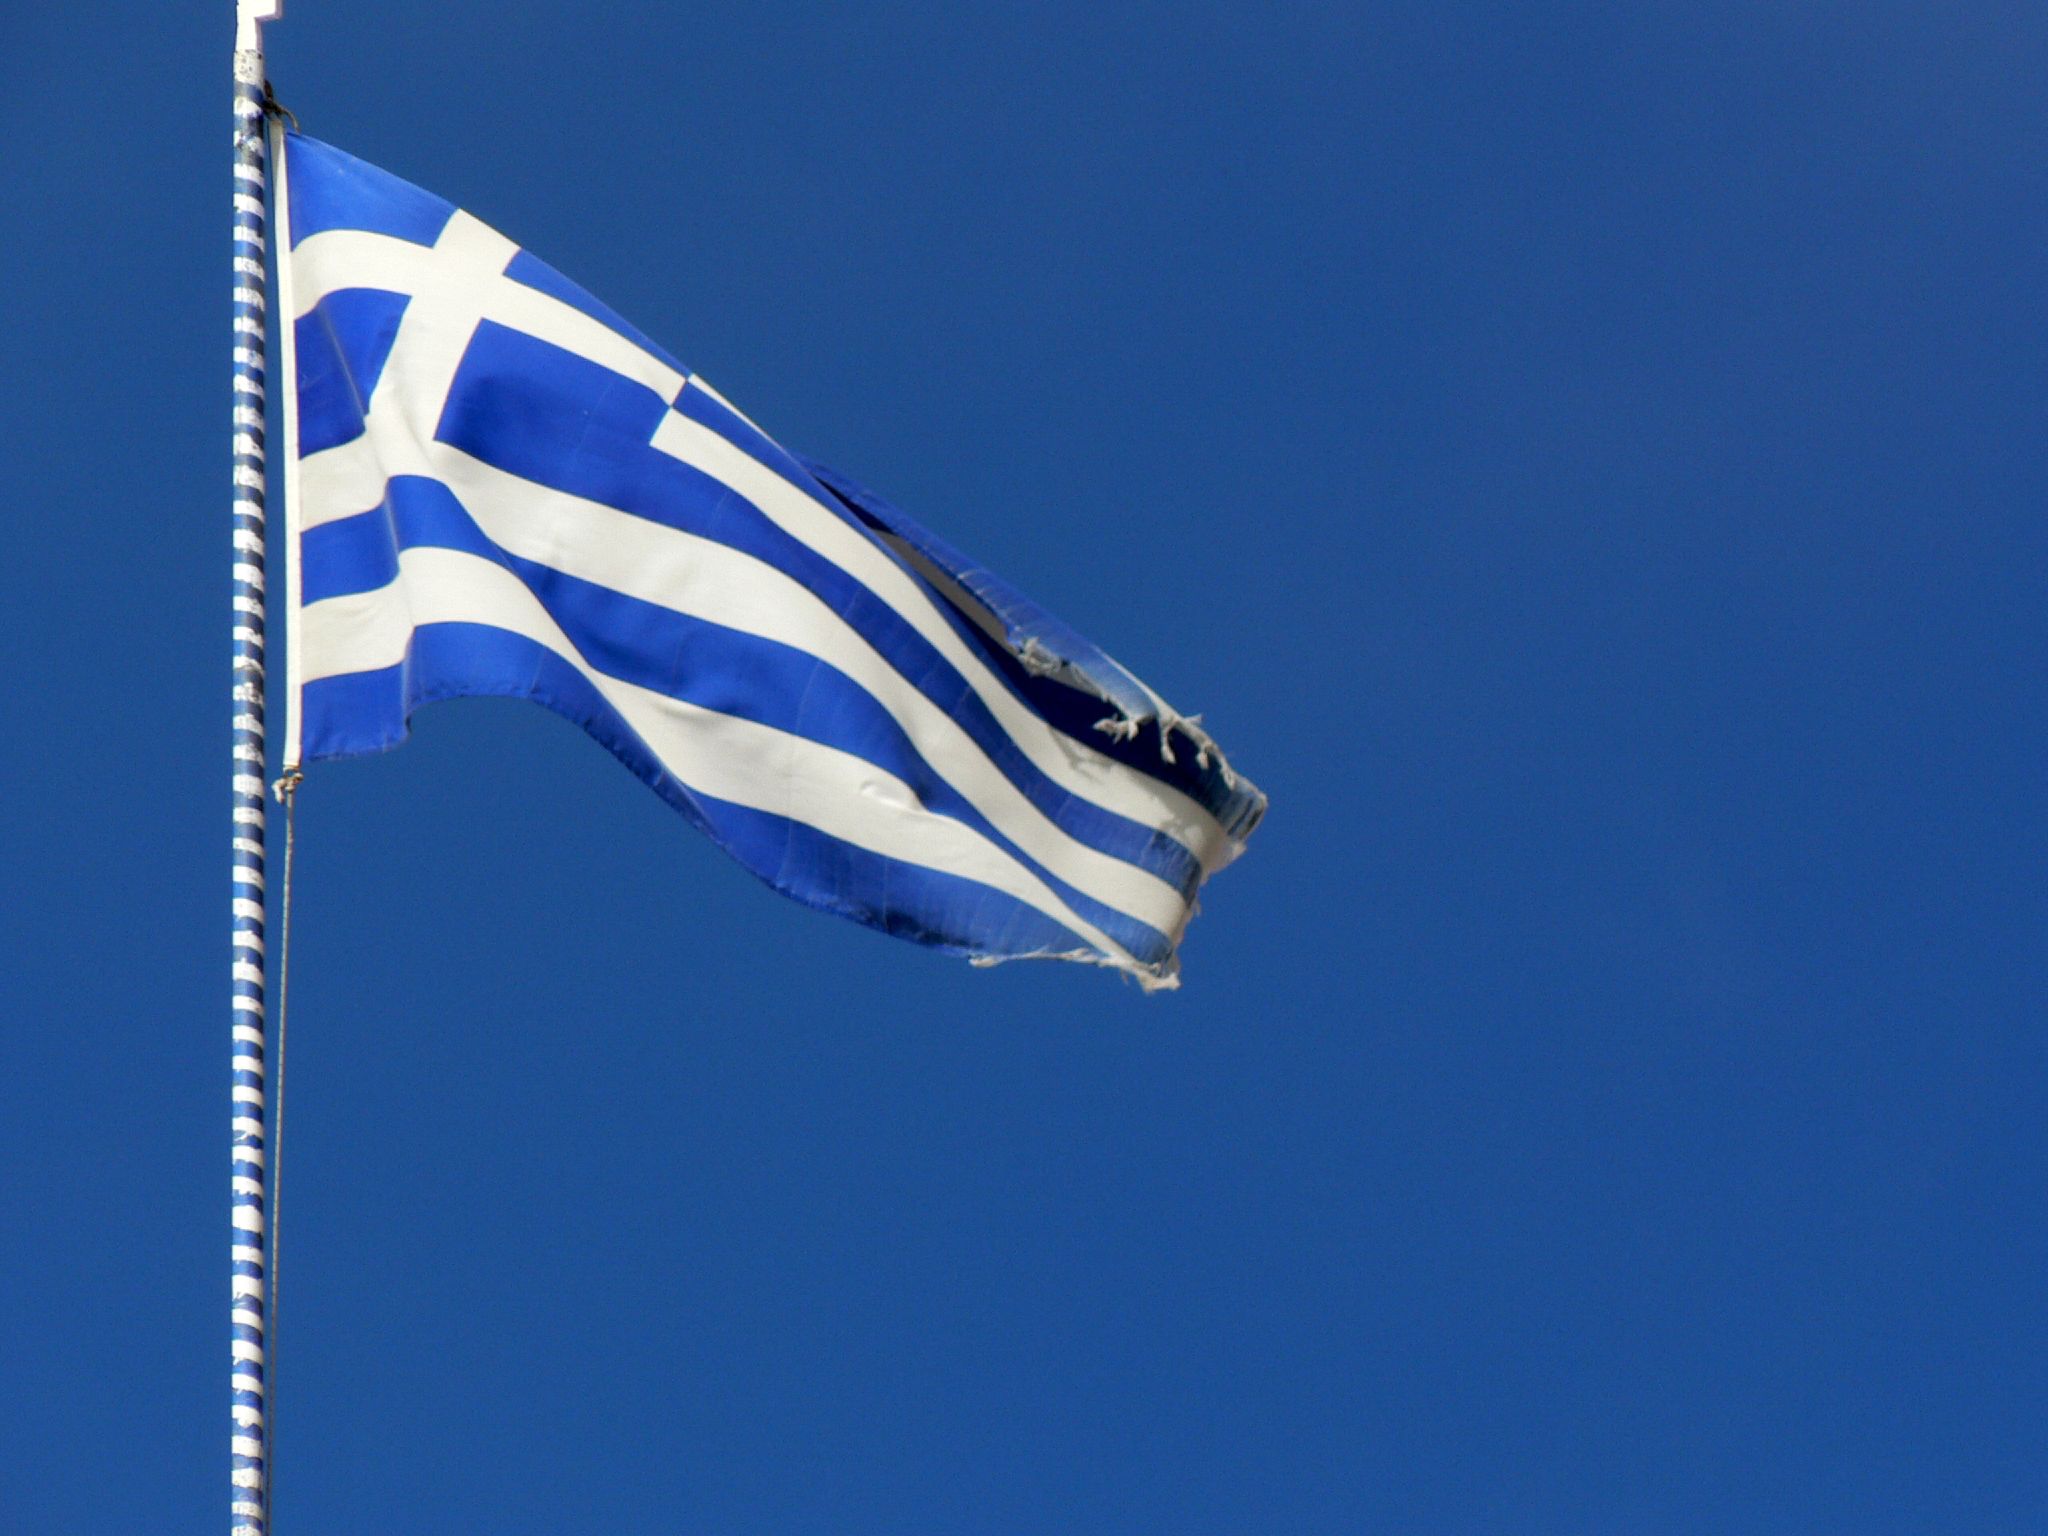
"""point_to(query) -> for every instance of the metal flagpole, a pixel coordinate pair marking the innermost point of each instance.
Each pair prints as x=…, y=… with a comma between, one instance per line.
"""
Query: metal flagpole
x=250, y=1487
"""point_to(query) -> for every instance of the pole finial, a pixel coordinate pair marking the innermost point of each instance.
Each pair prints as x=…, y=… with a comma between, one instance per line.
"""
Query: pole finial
x=249, y=18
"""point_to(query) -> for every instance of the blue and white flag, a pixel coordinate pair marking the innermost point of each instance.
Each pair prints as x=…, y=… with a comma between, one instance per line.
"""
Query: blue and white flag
x=497, y=486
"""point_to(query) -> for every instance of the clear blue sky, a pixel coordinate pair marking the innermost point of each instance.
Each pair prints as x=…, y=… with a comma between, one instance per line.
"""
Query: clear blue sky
x=1587, y=464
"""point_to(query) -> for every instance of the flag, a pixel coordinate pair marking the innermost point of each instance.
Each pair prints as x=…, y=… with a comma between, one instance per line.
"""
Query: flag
x=499, y=487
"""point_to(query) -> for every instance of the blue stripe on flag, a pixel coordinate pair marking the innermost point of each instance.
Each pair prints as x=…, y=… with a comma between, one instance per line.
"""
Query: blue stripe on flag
x=351, y=554
x=342, y=344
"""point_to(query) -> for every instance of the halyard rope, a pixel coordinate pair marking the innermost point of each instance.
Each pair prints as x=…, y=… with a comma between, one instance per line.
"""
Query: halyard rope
x=287, y=791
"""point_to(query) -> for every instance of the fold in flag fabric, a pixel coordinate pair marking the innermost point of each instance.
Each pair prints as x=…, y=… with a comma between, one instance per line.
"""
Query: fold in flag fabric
x=499, y=487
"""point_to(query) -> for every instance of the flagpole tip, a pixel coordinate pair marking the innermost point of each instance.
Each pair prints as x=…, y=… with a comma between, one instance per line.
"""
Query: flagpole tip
x=249, y=18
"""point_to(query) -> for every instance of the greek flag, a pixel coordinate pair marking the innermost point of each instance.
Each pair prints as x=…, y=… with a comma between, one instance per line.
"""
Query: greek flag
x=497, y=486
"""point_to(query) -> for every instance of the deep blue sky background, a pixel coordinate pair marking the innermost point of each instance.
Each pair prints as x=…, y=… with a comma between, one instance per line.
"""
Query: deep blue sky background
x=1587, y=463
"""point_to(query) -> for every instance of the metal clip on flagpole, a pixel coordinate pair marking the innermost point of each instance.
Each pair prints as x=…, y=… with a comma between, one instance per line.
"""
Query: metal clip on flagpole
x=250, y=1488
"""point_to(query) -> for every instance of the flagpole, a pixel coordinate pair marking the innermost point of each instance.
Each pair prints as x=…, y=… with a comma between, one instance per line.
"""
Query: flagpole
x=249, y=1444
